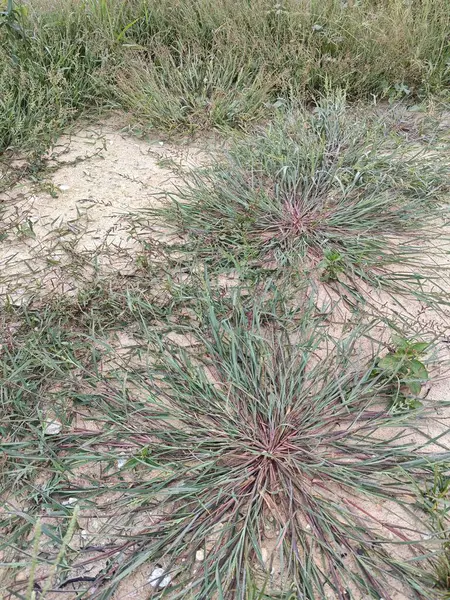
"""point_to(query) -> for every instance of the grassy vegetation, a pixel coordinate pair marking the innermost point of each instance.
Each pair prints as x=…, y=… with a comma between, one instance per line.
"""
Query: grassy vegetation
x=327, y=197
x=159, y=428
x=231, y=446
x=252, y=434
x=179, y=65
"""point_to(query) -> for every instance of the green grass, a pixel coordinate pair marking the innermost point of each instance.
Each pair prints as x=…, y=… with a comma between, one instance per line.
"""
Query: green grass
x=46, y=79
x=325, y=198
x=259, y=432
x=179, y=65
x=290, y=449
x=232, y=445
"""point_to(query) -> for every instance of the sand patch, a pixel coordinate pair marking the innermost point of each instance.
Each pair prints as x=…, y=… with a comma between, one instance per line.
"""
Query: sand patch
x=73, y=224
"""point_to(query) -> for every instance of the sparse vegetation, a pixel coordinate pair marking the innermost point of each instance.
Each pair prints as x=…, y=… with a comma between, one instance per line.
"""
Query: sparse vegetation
x=230, y=395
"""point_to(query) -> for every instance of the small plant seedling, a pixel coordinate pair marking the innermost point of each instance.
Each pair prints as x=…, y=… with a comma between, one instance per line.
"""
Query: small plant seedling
x=404, y=368
x=333, y=264
x=142, y=261
x=437, y=495
x=25, y=230
x=49, y=187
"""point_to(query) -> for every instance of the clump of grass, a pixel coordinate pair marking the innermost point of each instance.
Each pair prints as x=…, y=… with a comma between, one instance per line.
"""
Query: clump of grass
x=254, y=440
x=205, y=63
x=45, y=77
x=442, y=567
x=261, y=433
x=435, y=502
x=191, y=90
x=35, y=362
x=323, y=196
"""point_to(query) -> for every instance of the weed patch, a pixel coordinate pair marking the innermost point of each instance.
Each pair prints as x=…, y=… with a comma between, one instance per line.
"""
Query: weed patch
x=205, y=63
x=325, y=198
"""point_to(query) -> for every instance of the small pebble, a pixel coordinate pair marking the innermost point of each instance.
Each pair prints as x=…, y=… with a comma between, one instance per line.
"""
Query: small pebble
x=63, y=187
x=158, y=578
x=52, y=427
x=68, y=501
x=264, y=555
x=121, y=462
x=200, y=555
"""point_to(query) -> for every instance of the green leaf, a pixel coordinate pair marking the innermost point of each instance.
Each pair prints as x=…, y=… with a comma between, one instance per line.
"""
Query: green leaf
x=414, y=387
x=121, y=35
x=390, y=362
x=415, y=404
x=419, y=347
x=399, y=341
x=418, y=369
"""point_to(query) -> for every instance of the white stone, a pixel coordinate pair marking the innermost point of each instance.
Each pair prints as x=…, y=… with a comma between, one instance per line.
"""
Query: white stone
x=69, y=501
x=264, y=555
x=158, y=578
x=200, y=555
x=64, y=187
x=52, y=427
x=121, y=462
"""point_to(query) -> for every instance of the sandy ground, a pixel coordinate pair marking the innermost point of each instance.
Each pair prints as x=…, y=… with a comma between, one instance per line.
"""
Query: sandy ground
x=61, y=231
x=74, y=225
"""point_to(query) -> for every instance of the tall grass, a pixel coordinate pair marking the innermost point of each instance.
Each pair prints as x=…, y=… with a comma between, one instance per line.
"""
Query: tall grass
x=46, y=76
x=205, y=63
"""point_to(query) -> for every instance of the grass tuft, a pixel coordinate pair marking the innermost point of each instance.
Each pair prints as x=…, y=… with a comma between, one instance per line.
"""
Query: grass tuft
x=274, y=458
x=325, y=197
